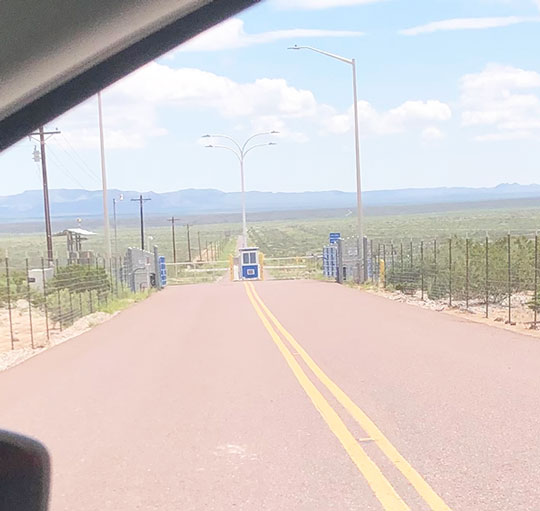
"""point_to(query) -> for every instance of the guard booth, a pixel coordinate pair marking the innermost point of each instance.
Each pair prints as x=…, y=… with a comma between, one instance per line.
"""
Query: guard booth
x=249, y=263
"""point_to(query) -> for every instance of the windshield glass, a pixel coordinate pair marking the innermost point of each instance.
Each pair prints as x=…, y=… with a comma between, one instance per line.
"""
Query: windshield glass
x=291, y=265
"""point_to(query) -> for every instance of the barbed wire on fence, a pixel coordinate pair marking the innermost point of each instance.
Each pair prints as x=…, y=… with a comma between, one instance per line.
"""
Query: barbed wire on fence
x=39, y=298
x=461, y=271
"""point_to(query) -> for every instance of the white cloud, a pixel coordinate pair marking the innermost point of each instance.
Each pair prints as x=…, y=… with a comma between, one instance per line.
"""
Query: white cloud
x=196, y=89
x=409, y=116
x=319, y=4
x=134, y=106
x=503, y=98
x=432, y=133
x=231, y=34
x=468, y=24
x=128, y=124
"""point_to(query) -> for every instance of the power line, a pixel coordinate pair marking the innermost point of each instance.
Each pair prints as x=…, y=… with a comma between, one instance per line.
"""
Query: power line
x=90, y=169
x=84, y=168
x=63, y=168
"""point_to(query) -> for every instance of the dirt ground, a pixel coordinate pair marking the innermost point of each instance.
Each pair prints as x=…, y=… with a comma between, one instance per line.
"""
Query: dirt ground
x=521, y=315
x=22, y=333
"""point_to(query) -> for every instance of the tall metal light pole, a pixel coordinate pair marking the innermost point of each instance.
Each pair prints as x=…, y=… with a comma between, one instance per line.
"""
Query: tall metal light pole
x=240, y=151
x=114, y=201
x=352, y=63
x=104, y=182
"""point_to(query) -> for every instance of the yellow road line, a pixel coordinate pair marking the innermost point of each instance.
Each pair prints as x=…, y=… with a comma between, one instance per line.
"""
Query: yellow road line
x=435, y=502
x=383, y=490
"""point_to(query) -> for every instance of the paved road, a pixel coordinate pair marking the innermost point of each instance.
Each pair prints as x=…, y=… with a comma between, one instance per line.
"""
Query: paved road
x=284, y=396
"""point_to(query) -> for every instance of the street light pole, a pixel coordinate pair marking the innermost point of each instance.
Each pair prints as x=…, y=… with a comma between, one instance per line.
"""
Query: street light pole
x=104, y=181
x=360, y=228
x=114, y=201
x=240, y=151
x=244, y=221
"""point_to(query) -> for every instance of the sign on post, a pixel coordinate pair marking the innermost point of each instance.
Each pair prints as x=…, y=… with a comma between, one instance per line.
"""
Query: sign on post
x=333, y=237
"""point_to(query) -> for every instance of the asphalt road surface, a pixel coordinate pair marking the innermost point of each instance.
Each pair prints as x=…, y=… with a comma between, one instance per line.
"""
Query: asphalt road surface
x=291, y=395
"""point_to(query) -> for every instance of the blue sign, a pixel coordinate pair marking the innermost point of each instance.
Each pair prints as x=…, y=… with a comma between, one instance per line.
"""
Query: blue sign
x=334, y=236
x=330, y=261
x=162, y=271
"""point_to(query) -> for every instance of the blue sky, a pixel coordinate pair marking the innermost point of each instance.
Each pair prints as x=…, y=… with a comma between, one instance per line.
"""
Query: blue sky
x=449, y=95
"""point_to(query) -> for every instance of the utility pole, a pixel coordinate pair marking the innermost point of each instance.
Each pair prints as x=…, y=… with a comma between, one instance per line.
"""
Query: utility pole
x=199, y=239
x=48, y=232
x=141, y=201
x=106, y=229
x=172, y=219
x=114, y=201
x=188, y=243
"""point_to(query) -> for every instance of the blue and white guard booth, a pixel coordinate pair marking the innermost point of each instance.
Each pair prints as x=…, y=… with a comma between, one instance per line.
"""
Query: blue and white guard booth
x=250, y=268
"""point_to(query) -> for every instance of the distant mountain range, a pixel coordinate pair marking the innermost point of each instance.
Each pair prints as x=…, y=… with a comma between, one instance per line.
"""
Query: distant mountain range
x=84, y=203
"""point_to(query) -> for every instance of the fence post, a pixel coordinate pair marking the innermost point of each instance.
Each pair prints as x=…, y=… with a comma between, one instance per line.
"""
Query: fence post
x=509, y=281
x=339, y=275
x=385, y=268
x=467, y=273
x=45, y=306
x=91, y=305
x=80, y=304
x=435, y=269
x=29, y=300
x=422, y=268
x=450, y=272
x=365, y=257
x=71, y=315
x=8, y=290
x=372, y=265
x=59, y=308
x=378, y=263
x=411, y=250
x=358, y=262
x=487, y=276
x=401, y=255
x=116, y=270
x=535, y=277
x=392, y=256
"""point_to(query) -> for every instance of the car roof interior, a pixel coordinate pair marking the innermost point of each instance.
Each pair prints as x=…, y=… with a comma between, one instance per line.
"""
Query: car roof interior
x=56, y=54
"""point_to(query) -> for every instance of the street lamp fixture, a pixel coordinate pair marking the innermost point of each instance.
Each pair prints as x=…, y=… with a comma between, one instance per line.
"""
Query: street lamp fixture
x=240, y=150
x=352, y=63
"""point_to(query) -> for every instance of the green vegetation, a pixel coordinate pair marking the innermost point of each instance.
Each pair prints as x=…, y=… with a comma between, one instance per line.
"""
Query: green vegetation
x=460, y=266
x=78, y=278
x=308, y=236
x=123, y=301
x=32, y=245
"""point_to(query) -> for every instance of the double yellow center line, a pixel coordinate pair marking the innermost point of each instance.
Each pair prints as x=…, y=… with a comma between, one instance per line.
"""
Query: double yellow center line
x=380, y=485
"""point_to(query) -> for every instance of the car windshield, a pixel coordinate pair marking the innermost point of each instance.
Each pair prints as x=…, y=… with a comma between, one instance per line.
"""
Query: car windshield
x=290, y=265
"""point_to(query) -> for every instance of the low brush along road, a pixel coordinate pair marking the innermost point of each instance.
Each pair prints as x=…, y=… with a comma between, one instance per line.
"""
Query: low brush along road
x=292, y=395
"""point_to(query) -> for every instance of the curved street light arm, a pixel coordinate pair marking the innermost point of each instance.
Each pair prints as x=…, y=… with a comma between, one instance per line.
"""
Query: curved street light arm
x=258, y=145
x=227, y=137
x=322, y=52
x=257, y=135
x=239, y=156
